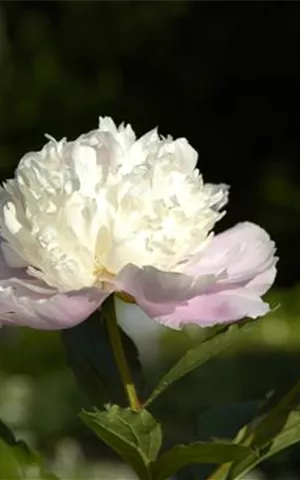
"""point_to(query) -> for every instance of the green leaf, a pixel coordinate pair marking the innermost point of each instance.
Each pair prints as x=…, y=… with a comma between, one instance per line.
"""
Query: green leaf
x=198, y=356
x=9, y=466
x=271, y=432
x=198, y=452
x=91, y=359
x=287, y=437
x=31, y=463
x=222, y=423
x=135, y=436
x=17, y=461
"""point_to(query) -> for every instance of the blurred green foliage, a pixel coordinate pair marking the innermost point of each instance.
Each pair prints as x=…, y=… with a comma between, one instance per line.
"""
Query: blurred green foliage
x=40, y=400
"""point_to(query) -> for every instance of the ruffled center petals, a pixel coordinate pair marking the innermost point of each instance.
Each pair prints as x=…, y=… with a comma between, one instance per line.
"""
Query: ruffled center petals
x=104, y=200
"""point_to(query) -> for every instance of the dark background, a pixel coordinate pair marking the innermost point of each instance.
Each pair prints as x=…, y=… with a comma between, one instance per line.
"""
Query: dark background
x=225, y=75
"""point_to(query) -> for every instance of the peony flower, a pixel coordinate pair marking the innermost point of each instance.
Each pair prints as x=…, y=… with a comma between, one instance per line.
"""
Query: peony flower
x=109, y=213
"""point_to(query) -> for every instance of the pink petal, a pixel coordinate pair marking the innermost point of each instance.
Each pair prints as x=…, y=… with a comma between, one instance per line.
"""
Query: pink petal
x=244, y=252
x=225, y=285
x=159, y=293
x=156, y=286
x=26, y=301
x=59, y=311
x=262, y=282
x=211, y=309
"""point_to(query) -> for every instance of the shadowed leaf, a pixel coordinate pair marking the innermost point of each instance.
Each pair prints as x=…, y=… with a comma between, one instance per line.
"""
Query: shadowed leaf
x=91, y=359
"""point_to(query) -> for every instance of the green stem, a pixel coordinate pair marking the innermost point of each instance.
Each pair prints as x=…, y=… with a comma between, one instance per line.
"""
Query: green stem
x=119, y=354
x=220, y=473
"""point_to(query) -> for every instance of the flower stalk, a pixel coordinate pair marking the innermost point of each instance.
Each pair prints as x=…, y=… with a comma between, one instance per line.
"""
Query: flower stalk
x=119, y=355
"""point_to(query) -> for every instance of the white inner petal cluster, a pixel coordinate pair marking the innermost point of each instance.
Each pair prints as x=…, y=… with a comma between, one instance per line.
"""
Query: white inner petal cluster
x=77, y=212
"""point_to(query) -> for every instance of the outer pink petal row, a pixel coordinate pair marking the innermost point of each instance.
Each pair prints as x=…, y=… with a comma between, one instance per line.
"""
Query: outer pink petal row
x=225, y=285
x=28, y=302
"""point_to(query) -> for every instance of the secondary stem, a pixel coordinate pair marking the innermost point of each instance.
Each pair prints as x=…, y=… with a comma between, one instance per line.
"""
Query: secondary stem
x=220, y=473
x=119, y=354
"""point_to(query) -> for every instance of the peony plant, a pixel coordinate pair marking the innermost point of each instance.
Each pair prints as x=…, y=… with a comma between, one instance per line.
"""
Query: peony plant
x=112, y=218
